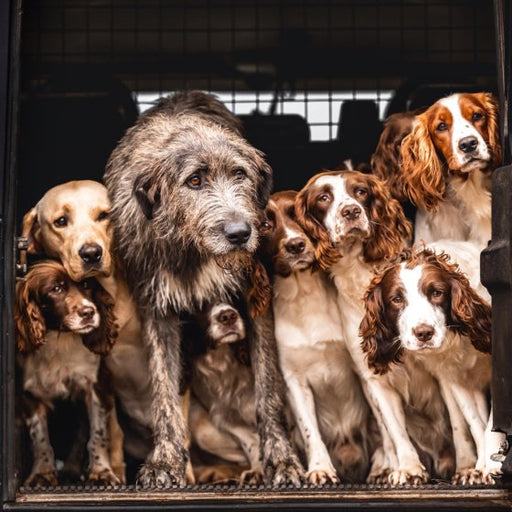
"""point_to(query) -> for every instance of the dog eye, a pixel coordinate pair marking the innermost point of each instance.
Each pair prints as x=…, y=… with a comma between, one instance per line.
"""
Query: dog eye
x=397, y=299
x=266, y=225
x=61, y=222
x=85, y=285
x=102, y=216
x=360, y=192
x=58, y=288
x=436, y=294
x=195, y=182
x=239, y=173
x=323, y=198
x=442, y=127
x=476, y=116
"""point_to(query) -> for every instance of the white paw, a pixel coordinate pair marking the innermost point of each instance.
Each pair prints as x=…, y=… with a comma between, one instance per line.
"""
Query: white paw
x=322, y=477
x=410, y=476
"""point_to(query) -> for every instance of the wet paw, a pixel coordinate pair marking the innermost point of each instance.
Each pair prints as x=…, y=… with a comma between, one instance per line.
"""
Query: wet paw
x=159, y=476
x=416, y=476
x=285, y=473
x=103, y=477
x=379, y=476
x=42, y=479
x=321, y=477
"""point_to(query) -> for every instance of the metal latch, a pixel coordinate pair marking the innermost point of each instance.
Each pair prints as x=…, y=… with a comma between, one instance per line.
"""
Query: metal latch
x=21, y=264
x=502, y=452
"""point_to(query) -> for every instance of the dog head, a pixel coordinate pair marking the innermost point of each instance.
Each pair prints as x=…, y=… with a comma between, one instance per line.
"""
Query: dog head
x=284, y=244
x=223, y=325
x=339, y=208
x=414, y=303
x=49, y=299
x=458, y=134
x=71, y=222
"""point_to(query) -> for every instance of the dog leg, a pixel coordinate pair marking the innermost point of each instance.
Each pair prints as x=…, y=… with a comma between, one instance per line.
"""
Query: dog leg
x=493, y=441
x=43, y=472
x=185, y=407
x=165, y=465
x=302, y=402
x=280, y=462
x=100, y=471
x=116, y=446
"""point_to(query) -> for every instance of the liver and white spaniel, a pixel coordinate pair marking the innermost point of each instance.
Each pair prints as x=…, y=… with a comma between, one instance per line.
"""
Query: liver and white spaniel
x=447, y=161
x=423, y=308
x=356, y=225
x=325, y=394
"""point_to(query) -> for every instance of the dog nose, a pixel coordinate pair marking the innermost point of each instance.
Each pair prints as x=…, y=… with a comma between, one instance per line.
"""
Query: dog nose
x=91, y=253
x=237, y=232
x=295, y=245
x=423, y=332
x=468, y=144
x=351, y=212
x=85, y=312
x=227, y=317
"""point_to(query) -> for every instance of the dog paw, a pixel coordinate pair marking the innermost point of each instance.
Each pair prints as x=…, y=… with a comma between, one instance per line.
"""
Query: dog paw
x=285, y=473
x=42, y=479
x=103, y=477
x=159, y=476
x=252, y=477
x=472, y=476
x=416, y=476
x=321, y=477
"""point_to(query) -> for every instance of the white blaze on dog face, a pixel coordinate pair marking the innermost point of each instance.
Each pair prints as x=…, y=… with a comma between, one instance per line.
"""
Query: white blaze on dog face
x=225, y=325
x=458, y=127
x=71, y=223
x=341, y=200
x=422, y=320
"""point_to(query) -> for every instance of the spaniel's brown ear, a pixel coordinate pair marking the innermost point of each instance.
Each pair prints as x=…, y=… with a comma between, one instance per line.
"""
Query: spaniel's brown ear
x=422, y=169
x=30, y=327
x=259, y=296
x=380, y=340
x=470, y=313
x=391, y=229
x=326, y=255
x=101, y=340
x=493, y=128
x=32, y=231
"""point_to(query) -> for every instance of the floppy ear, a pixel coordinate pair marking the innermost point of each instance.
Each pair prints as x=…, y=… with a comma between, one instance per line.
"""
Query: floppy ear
x=421, y=166
x=266, y=180
x=30, y=327
x=147, y=192
x=493, y=128
x=470, y=313
x=32, y=231
x=326, y=255
x=101, y=340
x=391, y=229
x=380, y=342
x=260, y=293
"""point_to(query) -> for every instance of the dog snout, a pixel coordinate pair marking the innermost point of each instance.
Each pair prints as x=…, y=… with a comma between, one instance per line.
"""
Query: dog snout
x=295, y=245
x=86, y=312
x=468, y=144
x=227, y=317
x=423, y=332
x=237, y=232
x=351, y=212
x=90, y=253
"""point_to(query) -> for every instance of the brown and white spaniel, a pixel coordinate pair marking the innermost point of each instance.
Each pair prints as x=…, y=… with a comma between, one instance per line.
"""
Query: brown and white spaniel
x=357, y=225
x=424, y=308
x=325, y=394
x=61, y=328
x=447, y=161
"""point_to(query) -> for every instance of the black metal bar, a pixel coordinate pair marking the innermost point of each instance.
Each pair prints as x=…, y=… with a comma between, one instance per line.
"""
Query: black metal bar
x=9, y=73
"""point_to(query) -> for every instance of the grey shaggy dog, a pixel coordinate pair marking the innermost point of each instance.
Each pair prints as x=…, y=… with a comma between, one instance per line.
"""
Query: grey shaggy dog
x=188, y=194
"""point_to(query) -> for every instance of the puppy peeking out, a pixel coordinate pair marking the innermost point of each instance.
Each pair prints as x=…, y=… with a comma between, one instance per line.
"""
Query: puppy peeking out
x=61, y=328
x=223, y=384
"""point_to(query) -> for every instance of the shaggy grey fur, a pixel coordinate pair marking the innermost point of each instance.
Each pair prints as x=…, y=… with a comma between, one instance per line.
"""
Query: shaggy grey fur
x=187, y=195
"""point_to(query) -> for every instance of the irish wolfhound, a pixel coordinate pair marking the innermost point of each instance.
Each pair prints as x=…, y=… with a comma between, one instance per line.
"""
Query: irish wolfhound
x=188, y=194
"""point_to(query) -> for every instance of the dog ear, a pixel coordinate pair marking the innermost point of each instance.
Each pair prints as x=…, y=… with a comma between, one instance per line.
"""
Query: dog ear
x=32, y=231
x=390, y=225
x=421, y=166
x=147, y=192
x=493, y=129
x=325, y=254
x=265, y=178
x=379, y=340
x=30, y=327
x=101, y=340
x=470, y=313
x=260, y=293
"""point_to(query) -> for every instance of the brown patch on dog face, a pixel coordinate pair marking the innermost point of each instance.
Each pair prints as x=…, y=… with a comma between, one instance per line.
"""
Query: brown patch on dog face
x=283, y=240
x=71, y=222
